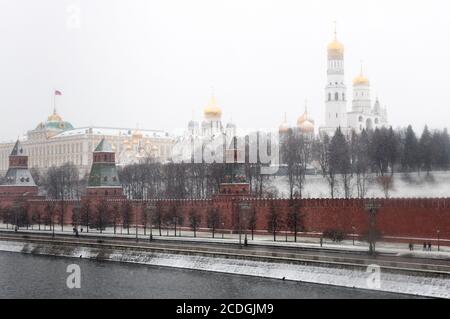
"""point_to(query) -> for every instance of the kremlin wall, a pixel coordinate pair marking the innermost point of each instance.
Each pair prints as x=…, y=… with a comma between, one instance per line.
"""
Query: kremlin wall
x=403, y=220
x=397, y=219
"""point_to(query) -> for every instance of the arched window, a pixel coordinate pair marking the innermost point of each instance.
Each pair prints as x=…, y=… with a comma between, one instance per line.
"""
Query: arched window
x=336, y=96
x=329, y=96
x=343, y=96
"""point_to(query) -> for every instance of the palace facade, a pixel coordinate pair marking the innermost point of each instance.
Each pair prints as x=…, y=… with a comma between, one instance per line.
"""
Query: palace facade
x=55, y=142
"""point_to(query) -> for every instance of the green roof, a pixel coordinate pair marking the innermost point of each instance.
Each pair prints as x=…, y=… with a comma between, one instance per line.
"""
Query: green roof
x=58, y=125
x=17, y=149
x=103, y=175
x=103, y=146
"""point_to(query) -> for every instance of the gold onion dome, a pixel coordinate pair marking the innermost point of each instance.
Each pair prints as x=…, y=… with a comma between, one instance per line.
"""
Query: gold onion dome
x=335, y=49
x=305, y=123
x=212, y=109
x=54, y=117
x=361, y=79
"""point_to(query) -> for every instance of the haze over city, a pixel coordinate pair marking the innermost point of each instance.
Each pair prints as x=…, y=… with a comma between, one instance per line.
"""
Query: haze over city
x=153, y=64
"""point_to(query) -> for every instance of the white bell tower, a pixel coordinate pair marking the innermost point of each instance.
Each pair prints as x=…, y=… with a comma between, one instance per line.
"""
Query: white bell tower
x=335, y=91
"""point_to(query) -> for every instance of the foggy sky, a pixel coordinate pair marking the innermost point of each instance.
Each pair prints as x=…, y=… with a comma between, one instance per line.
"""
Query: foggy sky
x=153, y=63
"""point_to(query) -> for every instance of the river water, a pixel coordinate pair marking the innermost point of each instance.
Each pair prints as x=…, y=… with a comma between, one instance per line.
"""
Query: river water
x=31, y=276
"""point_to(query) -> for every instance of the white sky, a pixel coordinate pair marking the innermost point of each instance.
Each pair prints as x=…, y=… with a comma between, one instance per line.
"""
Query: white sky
x=152, y=63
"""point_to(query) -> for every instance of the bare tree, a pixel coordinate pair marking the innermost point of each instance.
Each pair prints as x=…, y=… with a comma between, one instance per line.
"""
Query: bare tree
x=126, y=211
x=158, y=217
x=214, y=219
x=252, y=220
x=294, y=219
x=273, y=221
x=194, y=220
x=115, y=216
x=322, y=154
x=102, y=216
x=86, y=212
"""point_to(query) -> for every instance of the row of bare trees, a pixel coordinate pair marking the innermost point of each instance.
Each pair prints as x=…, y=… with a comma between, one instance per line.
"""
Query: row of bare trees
x=101, y=215
x=350, y=161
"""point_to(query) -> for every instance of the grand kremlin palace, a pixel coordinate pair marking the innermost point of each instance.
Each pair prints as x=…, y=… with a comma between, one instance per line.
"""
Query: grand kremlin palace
x=55, y=142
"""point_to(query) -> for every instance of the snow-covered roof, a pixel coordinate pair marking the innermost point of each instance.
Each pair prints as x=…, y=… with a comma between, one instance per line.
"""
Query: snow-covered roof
x=109, y=131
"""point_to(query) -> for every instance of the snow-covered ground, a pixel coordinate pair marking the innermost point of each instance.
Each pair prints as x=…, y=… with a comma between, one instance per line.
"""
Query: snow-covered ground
x=363, y=279
x=411, y=185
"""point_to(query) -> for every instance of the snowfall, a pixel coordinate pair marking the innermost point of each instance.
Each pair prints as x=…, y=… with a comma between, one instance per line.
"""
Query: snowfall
x=362, y=279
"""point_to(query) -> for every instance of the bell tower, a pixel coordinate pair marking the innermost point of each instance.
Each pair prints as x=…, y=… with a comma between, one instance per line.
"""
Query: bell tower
x=335, y=90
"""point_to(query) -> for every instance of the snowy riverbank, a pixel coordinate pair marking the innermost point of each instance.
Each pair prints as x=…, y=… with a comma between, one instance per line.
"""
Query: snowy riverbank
x=397, y=283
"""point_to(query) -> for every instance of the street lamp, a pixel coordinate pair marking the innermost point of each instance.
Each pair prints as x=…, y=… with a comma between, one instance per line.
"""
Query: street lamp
x=353, y=228
x=151, y=207
x=243, y=207
x=438, y=234
x=372, y=207
x=136, y=222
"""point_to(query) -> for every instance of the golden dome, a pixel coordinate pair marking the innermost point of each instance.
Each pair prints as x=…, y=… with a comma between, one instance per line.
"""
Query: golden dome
x=335, y=49
x=212, y=110
x=304, y=118
x=136, y=136
x=54, y=117
x=305, y=123
x=361, y=80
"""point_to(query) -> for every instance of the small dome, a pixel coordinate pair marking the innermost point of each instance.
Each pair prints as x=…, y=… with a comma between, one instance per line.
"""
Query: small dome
x=361, y=80
x=54, y=117
x=305, y=123
x=212, y=109
x=307, y=127
x=284, y=128
x=55, y=122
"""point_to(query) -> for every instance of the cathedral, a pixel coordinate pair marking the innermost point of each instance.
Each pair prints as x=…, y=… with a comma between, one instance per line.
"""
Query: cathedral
x=363, y=116
x=209, y=131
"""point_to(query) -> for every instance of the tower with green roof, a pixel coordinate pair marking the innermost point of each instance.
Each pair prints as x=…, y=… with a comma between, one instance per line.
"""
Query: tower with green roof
x=18, y=179
x=103, y=178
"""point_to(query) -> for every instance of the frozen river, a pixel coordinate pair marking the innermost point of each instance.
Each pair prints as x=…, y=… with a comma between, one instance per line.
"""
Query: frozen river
x=31, y=276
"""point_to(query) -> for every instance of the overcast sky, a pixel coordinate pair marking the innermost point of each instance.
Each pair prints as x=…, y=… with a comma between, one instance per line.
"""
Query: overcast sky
x=153, y=63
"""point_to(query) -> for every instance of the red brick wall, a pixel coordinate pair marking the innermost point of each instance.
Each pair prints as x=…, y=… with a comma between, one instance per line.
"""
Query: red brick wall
x=419, y=218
